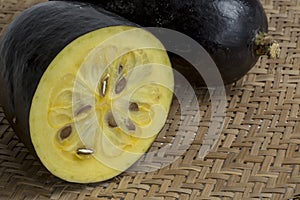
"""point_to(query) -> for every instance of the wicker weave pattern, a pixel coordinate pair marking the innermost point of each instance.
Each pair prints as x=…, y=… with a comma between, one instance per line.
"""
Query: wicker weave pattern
x=257, y=156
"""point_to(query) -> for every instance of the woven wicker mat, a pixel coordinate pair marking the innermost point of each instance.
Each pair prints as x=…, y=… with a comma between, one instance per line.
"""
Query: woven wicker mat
x=256, y=157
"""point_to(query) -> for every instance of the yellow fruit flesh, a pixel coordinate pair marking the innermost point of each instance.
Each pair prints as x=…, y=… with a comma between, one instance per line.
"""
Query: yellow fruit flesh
x=101, y=103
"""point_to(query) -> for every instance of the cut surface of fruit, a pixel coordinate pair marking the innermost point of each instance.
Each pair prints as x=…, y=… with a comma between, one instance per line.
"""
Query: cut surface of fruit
x=101, y=103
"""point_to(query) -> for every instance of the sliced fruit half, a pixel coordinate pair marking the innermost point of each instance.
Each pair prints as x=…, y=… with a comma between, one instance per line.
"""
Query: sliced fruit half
x=101, y=103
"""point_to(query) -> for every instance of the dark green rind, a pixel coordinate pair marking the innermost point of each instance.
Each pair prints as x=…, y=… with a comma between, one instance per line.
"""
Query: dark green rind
x=225, y=28
x=30, y=44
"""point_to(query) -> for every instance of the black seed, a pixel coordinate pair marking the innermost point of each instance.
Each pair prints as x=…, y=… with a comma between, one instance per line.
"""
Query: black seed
x=130, y=125
x=120, y=68
x=65, y=132
x=111, y=121
x=134, y=107
x=84, y=109
x=120, y=85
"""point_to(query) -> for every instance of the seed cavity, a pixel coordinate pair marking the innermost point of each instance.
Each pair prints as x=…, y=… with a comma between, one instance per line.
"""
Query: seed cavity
x=130, y=125
x=84, y=109
x=104, y=85
x=134, y=107
x=65, y=132
x=84, y=151
x=111, y=121
x=120, y=85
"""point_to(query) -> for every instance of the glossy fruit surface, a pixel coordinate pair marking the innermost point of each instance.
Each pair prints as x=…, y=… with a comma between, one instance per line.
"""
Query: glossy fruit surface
x=228, y=29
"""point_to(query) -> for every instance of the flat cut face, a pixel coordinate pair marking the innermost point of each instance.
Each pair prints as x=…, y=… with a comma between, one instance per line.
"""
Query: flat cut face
x=101, y=103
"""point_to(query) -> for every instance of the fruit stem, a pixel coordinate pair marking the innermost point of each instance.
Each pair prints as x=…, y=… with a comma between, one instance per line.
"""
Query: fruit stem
x=266, y=45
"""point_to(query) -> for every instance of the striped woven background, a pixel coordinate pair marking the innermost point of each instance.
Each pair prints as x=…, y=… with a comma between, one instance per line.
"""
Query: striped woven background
x=256, y=157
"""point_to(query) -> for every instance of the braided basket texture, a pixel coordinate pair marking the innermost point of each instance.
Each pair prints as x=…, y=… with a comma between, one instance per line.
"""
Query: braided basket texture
x=257, y=155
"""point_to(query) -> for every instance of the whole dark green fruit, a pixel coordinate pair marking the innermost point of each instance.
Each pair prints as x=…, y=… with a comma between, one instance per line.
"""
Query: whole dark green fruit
x=234, y=32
